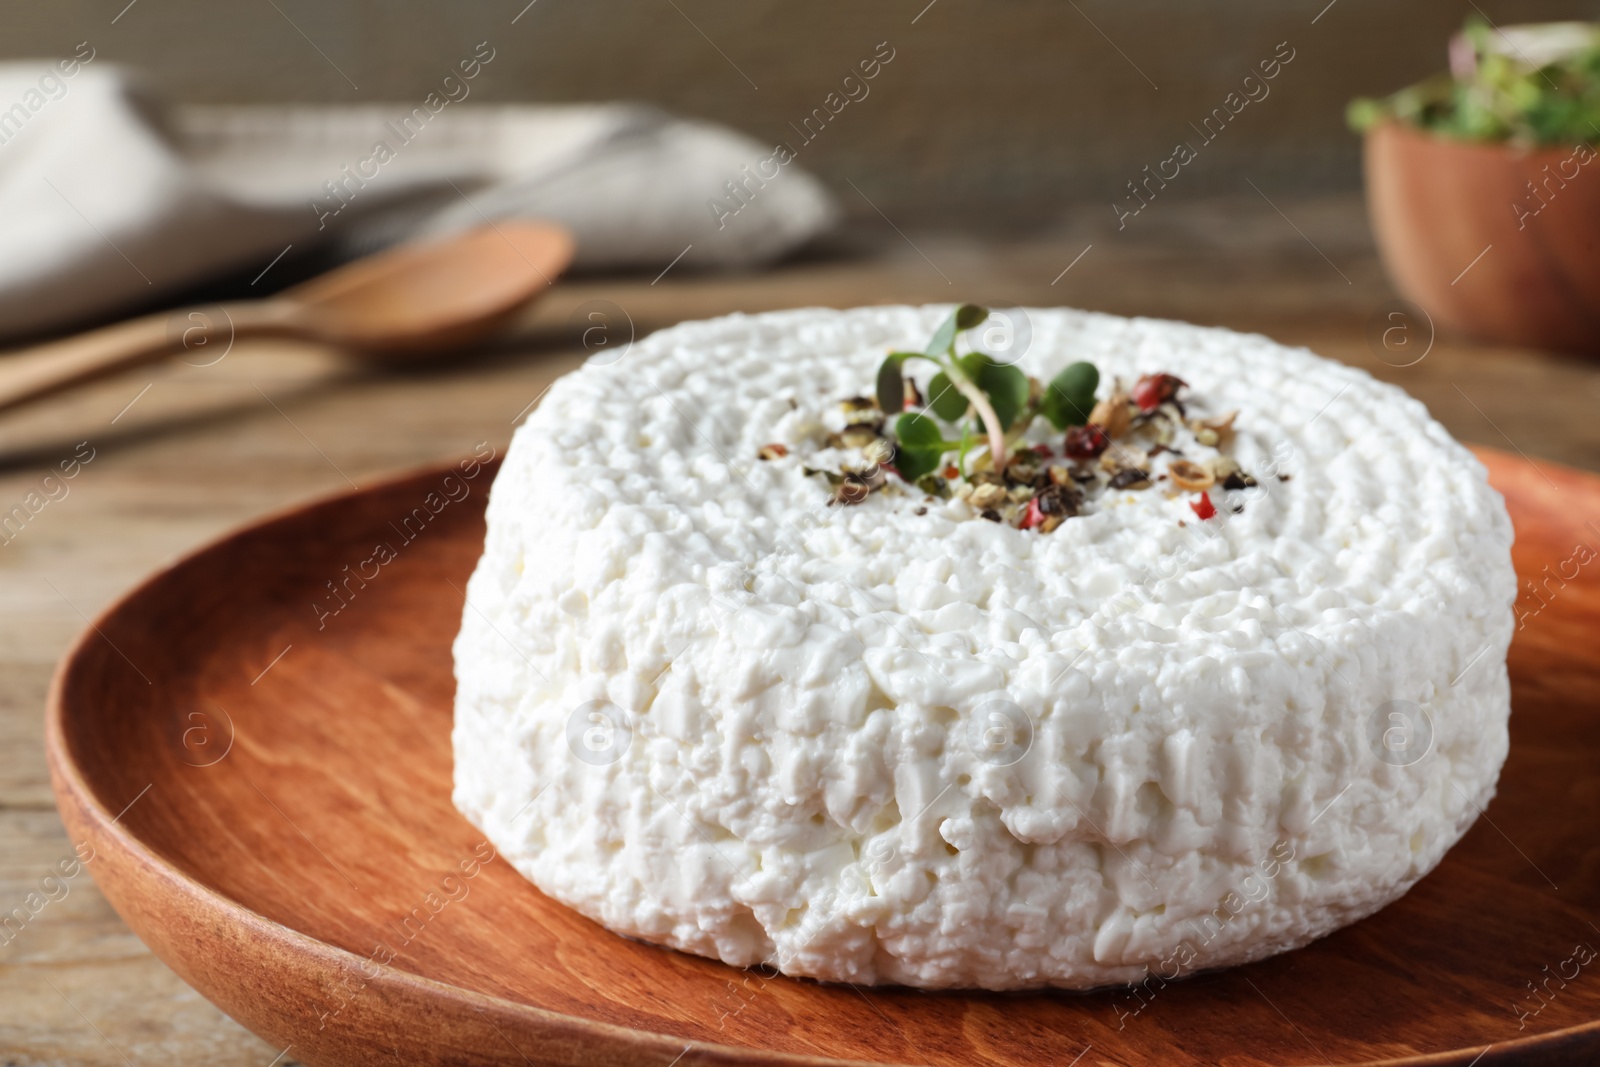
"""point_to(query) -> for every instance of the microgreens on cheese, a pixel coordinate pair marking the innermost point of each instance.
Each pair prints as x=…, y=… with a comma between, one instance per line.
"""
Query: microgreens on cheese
x=1001, y=399
x=901, y=436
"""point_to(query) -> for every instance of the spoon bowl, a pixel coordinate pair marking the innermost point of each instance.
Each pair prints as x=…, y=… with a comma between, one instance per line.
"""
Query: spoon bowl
x=413, y=301
x=419, y=298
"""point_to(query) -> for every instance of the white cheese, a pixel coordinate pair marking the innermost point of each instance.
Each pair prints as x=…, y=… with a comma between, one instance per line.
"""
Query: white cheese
x=871, y=745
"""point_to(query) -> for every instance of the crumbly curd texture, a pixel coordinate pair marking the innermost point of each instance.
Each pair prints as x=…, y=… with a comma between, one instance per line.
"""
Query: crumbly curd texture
x=874, y=745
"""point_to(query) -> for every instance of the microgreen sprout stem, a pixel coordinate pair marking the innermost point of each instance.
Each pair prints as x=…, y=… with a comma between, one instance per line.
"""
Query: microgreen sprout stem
x=1003, y=399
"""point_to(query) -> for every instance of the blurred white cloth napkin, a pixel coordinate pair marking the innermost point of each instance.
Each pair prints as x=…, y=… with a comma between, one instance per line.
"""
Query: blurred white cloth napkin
x=109, y=199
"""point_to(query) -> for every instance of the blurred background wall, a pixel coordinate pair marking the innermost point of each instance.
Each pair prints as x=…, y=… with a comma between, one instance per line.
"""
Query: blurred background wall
x=1008, y=113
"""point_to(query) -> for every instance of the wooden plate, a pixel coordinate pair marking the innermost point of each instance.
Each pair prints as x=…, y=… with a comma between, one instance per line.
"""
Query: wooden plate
x=266, y=788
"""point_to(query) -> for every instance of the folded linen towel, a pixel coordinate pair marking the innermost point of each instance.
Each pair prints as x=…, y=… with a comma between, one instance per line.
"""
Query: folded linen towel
x=110, y=199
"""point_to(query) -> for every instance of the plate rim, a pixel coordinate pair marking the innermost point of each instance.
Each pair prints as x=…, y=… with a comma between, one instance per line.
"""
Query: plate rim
x=86, y=818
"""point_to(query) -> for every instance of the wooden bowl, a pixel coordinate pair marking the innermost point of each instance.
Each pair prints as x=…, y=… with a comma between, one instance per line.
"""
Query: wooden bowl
x=1496, y=243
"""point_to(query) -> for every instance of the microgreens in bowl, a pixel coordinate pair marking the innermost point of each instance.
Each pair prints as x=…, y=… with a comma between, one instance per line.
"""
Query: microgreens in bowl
x=1536, y=84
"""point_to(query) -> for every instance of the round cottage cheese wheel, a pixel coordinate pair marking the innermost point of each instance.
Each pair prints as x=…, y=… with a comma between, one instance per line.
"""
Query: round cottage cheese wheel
x=896, y=743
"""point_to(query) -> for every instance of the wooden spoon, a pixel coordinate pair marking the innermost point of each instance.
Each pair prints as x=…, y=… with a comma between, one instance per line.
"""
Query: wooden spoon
x=413, y=300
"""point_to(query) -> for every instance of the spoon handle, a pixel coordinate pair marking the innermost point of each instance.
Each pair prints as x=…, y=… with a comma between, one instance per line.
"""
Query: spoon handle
x=207, y=332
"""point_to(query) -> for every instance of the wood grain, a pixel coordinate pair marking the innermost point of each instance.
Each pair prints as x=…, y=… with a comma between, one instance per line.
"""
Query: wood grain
x=266, y=791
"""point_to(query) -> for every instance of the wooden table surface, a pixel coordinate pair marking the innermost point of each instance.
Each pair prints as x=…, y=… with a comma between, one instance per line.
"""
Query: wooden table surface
x=184, y=453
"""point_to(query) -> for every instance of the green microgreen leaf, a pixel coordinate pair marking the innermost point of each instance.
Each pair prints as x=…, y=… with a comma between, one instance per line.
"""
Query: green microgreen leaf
x=1007, y=388
x=969, y=315
x=945, y=399
x=962, y=318
x=915, y=430
x=915, y=465
x=1070, y=396
x=922, y=444
x=943, y=338
x=892, y=384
